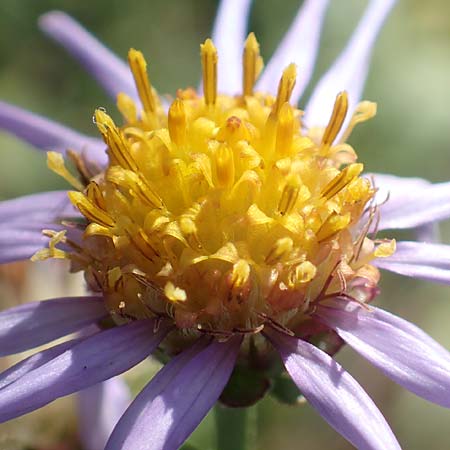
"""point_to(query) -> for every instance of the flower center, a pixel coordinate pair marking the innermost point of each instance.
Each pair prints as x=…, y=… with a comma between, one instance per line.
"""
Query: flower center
x=225, y=212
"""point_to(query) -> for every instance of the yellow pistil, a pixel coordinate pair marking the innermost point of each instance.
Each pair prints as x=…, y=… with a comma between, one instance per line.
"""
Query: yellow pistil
x=225, y=211
x=209, y=71
x=252, y=64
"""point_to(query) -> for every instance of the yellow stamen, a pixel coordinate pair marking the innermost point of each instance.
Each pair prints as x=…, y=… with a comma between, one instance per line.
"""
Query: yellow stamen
x=285, y=130
x=55, y=162
x=252, y=64
x=134, y=183
x=89, y=209
x=285, y=87
x=94, y=194
x=240, y=274
x=340, y=181
x=336, y=120
x=117, y=146
x=281, y=248
x=177, y=122
x=209, y=71
x=224, y=166
x=138, y=67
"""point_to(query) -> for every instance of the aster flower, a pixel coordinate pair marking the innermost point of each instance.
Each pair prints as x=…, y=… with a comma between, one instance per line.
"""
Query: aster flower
x=224, y=229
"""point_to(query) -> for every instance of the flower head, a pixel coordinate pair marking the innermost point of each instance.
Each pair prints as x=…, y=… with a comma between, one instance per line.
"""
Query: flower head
x=224, y=227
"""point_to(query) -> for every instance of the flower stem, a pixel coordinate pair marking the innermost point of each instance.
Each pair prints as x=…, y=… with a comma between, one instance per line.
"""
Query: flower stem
x=236, y=428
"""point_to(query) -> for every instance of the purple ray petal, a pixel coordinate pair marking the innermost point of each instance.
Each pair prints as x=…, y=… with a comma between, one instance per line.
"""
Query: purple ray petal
x=110, y=71
x=338, y=398
x=36, y=323
x=95, y=359
x=33, y=362
x=423, y=272
x=23, y=219
x=99, y=409
x=46, y=134
x=300, y=46
x=398, y=348
x=429, y=232
x=44, y=207
x=349, y=71
x=228, y=35
x=171, y=406
x=410, y=202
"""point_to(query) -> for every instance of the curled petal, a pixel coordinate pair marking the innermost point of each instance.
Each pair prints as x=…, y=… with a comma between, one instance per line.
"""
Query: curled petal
x=93, y=360
x=110, y=71
x=46, y=134
x=338, y=398
x=349, y=71
x=300, y=46
x=33, y=324
x=229, y=35
x=177, y=398
x=99, y=409
x=398, y=348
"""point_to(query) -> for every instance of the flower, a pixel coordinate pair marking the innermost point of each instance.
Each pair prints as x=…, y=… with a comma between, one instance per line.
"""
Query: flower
x=222, y=228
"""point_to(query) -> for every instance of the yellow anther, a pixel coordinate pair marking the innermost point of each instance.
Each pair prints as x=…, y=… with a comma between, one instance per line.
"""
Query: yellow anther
x=342, y=180
x=252, y=64
x=336, y=120
x=94, y=194
x=363, y=111
x=90, y=210
x=224, y=166
x=55, y=162
x=177, y=123
x=285, y=87
x=117, y=146
x=174, y=293
x=138, y=67
x=240, y=274
x=285, y=130
x=282, y=248
x=209, y=71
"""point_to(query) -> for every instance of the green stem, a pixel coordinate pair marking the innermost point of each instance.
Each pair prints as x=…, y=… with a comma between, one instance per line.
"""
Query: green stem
x=236, y=428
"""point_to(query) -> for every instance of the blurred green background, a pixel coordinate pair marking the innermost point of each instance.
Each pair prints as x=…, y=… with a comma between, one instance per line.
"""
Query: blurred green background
x=409, y=79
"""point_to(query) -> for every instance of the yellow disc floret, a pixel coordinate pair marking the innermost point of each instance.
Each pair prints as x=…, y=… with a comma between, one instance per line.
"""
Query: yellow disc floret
x=224, y=211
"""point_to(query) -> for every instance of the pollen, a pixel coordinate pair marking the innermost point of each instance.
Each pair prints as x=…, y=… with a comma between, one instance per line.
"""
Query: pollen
x=220, y=211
